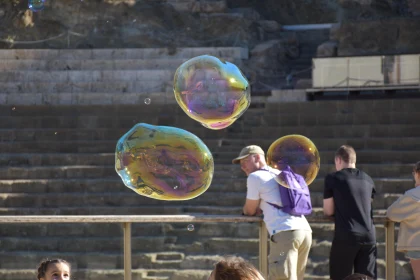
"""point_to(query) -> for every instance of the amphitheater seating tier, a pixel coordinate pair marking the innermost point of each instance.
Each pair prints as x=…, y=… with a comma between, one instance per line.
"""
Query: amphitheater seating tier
x=57, y=158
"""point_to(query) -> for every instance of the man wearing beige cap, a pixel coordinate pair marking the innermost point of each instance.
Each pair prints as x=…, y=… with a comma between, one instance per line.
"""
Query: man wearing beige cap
x=290, y=236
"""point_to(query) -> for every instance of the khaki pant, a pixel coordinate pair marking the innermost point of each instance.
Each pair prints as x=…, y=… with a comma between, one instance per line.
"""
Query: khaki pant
x=289, y=252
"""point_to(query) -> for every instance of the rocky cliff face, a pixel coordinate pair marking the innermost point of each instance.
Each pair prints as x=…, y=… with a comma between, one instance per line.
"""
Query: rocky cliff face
x=365, y=27
x=391, y=36
x=175, y=23
x=118, y=23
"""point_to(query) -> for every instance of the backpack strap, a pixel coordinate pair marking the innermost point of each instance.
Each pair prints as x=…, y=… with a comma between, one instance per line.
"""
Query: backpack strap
x=272, y=204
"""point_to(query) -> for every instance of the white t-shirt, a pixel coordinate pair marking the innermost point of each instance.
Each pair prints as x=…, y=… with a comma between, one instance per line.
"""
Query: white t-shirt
x=262, y=185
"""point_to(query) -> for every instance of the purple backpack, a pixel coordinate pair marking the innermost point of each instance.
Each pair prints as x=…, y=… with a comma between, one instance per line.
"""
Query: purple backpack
x=296, y=200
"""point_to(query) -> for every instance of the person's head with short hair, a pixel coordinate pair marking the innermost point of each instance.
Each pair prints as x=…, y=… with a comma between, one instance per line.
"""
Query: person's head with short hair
x=345, y=157
x=416, y=173
x=251, y=158
x=54, y=269
x=358, y=276
x=234, y=268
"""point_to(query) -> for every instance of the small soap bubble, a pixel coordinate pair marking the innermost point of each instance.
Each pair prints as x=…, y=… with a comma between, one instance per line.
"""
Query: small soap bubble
x=281, y=254
x=36, y=5
x=165, y=163
x=190, y=227
x=211, y=91
x=13, y=108
x=147, y=101
x=55, y=133
x=295, y=154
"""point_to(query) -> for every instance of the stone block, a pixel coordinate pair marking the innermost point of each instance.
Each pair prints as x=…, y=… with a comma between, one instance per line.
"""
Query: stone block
x=327, y=49
x=58, y=99
x=190, y=274
x=278, y=96
x=269, y=25
x=24, y=99
x=3, y=98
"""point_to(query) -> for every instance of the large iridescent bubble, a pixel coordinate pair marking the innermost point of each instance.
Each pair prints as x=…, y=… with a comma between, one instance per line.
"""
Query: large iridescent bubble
x=294, y=153
x=163, y=162
x=211, y=91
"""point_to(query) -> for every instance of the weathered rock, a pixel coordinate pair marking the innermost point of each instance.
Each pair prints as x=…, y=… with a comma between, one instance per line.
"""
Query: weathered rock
x=269, y=25
x=378, y=37
x=327, y=49
x=334, y=31
x=347, y=3
x=414, y=7
x=267, y=55
x=249, y=13
x=123, y=24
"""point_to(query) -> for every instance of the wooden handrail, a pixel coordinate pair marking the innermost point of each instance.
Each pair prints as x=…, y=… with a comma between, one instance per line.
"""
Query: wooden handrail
x=127, y=220
x=151, y=219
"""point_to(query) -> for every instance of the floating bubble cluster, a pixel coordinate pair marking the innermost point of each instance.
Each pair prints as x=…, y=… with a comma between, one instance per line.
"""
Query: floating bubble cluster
x=211, y=91
x=163, y=162
x=295, y=153
x=36, y=5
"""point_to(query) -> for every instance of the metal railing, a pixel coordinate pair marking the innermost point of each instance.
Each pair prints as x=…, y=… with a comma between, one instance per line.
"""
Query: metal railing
x=126, y=222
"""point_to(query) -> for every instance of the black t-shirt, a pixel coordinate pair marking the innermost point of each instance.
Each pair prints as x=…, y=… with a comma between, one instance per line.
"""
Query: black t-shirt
x=352, y=190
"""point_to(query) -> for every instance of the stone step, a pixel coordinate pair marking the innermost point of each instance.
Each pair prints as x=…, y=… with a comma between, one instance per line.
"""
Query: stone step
x=113, y=210
x=89, y=261
x=343, y=106
x=371, y=143
x=97, y=64
x=225, y=172
x=191, y=6
x=338, y=131
x=216, y=245
x=386, y=108
x=86, y=245
x=112, y=274
x=106, y=127
x=103, y=136
x=161, y=94
x=179, y=118
x=106, y=54
x=121, y=199
x=125, y=198
x=321, y=231
x=93, y=110
x=130, y=86
x=83, y=76
x=114, y=184
x=224, y=156
x=142, y=274
x=368, y=118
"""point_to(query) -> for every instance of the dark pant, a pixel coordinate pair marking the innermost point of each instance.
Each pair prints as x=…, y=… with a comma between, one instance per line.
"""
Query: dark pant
x=345, y=256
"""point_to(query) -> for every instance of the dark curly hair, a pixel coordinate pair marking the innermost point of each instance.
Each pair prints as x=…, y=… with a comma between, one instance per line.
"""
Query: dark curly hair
x=235, y=268
x=43, y=266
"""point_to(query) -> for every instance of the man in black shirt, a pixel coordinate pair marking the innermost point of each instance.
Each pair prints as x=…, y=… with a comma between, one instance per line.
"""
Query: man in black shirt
x=348, y=195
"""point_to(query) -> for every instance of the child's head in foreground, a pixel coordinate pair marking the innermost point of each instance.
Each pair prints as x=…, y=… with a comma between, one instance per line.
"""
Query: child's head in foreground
x=235, y=268
x=54, y=269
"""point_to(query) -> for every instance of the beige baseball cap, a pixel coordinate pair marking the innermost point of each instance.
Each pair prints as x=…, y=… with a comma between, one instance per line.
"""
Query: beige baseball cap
x=248, y=150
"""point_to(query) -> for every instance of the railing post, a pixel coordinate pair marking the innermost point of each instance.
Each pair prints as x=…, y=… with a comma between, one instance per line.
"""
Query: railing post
x=127, y=251
x=263, y=250
x=390, y=250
